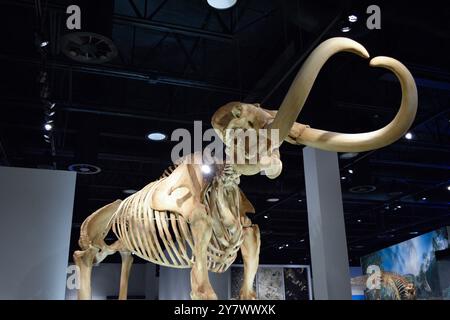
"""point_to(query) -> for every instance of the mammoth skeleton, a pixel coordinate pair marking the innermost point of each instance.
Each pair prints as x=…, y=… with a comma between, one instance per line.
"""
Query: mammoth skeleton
x=187, y=219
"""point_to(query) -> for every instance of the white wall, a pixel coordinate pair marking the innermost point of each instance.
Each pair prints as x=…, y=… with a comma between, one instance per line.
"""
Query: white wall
x=36, y=216
x=175, y=284
x=106, y=282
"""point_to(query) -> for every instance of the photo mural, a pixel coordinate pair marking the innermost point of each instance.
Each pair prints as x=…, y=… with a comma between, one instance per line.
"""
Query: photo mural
x=275, y=282
x=405, y=271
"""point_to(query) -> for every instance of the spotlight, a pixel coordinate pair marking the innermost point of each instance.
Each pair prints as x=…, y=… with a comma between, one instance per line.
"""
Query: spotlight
x=302, y=240
x=206, y=169
x=300, y=200
x=287, y=245
x=266, y=217
x=222, y=4
x=424, y=198
x=47, y=138
x=352, y=18
x=409, y=136
x=399, y=207
x=359, y=220
x=40, y=41
x=156, y=136
x=350, y=171
x=273, y=200
x=448, y=188
x=48, y=127
x=343, y=178
x=346, y=29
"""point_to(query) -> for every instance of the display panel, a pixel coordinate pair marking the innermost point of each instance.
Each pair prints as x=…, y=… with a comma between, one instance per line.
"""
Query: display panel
x=407, y=270
x=275, y=282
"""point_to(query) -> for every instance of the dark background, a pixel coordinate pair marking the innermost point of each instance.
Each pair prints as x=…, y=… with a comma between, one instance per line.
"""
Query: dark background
x=179, y=60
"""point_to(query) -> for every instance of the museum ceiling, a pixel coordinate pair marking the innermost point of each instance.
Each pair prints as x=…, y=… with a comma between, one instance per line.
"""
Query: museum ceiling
x=179, y=60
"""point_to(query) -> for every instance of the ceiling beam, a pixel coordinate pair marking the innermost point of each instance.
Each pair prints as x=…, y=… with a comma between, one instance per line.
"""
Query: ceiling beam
x=172, y=28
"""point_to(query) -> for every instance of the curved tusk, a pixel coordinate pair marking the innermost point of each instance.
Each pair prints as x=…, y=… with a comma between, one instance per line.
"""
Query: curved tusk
x=360, y=142
x=303, y=82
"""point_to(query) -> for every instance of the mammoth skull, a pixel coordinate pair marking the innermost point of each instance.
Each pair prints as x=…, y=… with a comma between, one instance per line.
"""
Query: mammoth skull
x=237, y=115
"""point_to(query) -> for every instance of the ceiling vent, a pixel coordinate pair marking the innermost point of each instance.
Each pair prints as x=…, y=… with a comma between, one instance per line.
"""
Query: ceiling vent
x=92, y=43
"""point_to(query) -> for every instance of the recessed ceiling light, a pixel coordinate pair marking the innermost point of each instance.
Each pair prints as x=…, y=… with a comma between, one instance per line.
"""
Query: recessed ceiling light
x=84, y=168
x=157, y=136
x=273, y=200
x=346, y=29
x=409, y=136
x=352, y=18
x=129, y=191
x=348, y=155
x=222, y=4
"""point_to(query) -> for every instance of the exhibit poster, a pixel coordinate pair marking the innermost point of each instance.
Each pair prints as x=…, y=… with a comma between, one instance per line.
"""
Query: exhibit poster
x=275, y=282
x=407, y=270
x=270, y=283
x=296, y=284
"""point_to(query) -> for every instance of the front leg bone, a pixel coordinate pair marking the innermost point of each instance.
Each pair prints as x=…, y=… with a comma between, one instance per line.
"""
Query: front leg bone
x=201, y=231
x=250, y=254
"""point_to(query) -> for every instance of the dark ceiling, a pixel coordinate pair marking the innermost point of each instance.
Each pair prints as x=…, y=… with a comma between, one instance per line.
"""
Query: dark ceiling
x=178, y=61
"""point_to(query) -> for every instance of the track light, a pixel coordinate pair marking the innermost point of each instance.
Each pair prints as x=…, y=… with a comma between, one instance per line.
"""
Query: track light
x=40, y=41
x=42, y=77
x=352, y=18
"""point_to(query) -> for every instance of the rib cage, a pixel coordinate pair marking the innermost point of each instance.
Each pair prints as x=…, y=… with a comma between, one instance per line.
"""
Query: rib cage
x=165, y=238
